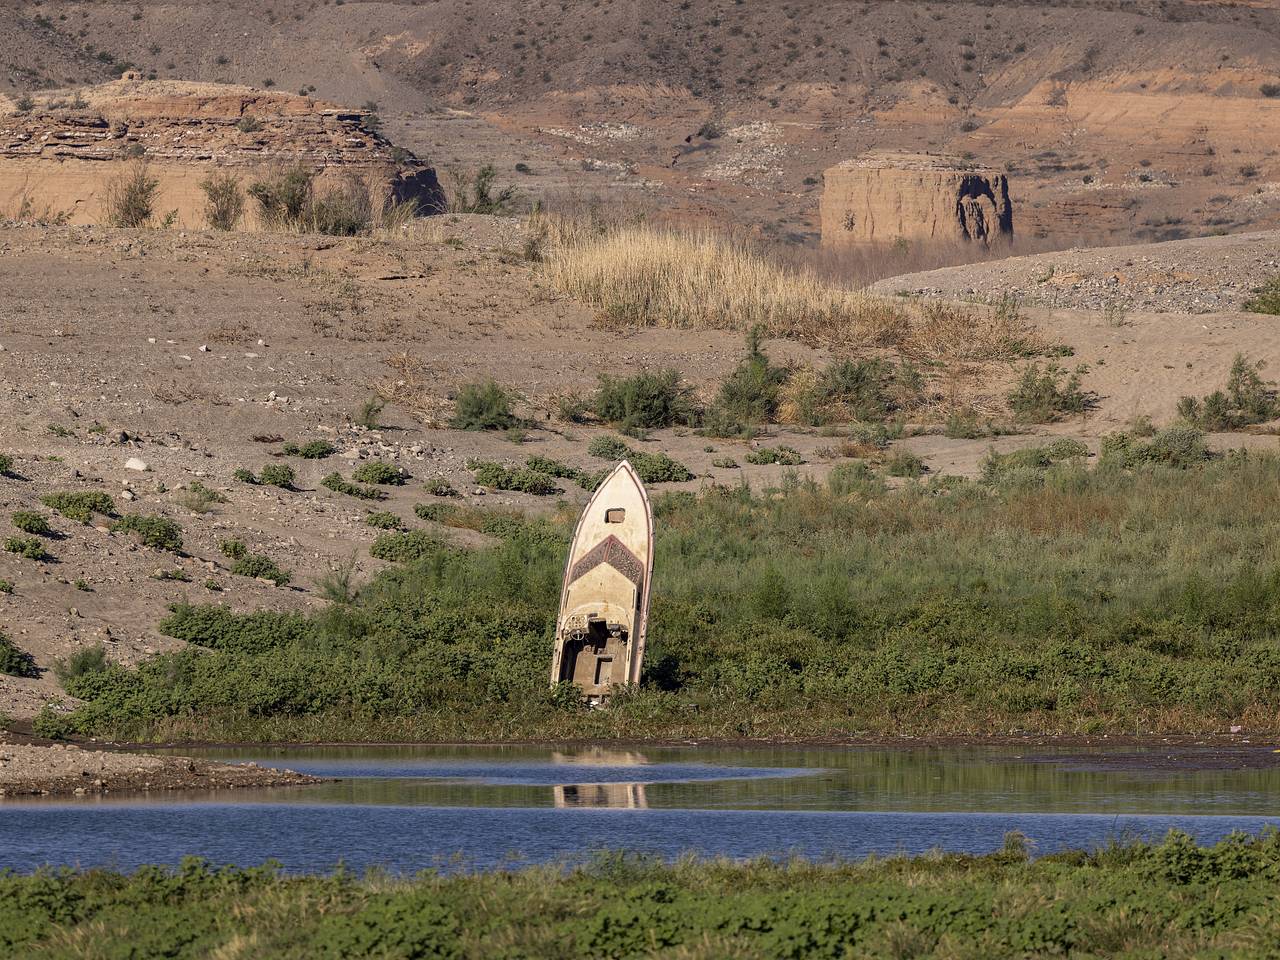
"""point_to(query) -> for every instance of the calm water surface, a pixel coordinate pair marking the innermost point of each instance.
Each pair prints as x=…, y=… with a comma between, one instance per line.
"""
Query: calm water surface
x=410, y=808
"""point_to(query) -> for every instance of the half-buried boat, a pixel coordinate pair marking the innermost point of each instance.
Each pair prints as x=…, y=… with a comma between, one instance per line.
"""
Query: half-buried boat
x=604, y=604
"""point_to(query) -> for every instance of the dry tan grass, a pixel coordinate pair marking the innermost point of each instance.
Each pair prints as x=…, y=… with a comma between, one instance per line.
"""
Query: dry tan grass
x=642, y=276
x=414, y=389
x=638, y=275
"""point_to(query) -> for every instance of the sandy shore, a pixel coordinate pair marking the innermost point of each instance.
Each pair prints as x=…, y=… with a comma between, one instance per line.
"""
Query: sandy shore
x=66, y=769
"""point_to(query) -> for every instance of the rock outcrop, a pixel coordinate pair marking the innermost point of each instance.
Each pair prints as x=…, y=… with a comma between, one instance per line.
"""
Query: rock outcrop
x=888, y=198
x=57, y=158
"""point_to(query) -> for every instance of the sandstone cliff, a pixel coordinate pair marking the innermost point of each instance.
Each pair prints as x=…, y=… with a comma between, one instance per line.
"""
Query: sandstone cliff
x=886, y=198
x=59, y=159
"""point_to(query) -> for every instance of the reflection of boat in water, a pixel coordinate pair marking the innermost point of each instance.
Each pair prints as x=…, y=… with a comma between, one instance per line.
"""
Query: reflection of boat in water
x=605, y=600
x=601, y=757
x=626, y=796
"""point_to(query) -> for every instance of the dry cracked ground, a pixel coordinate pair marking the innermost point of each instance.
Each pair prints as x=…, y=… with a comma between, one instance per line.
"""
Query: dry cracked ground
x=195, y=355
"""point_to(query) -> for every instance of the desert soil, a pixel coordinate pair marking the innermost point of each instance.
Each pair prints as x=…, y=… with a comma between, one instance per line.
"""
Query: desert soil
x=198, y=354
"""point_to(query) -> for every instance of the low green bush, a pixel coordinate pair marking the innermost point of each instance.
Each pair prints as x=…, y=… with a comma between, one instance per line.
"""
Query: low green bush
x=787, y=456
x=483, y=406
x=30, y=548
x=256, y=565
x=435, y=512
x=1177, y=446
x=554, y=468
x=6, y=465
x=158, y=532
x=441, y=488
x=80, y=505
x=28, y=521
x=495, y=476
x=243, y=475
x=646, y=400
x=608, y=448
x=72, y=669
x=1042, y=396
x=384, y=520
x=337, y=484
x=405, y=547
x=904, y=463
x=1266, y=298
x=277, y=475
x=378, y=471
x=16, y=662
x=650, y=467
x=312, y=450
x=1247, y=400
x=749, y=395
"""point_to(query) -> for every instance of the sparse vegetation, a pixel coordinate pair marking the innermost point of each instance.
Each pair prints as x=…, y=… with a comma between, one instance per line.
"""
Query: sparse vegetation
x=338, y=484
x=80, y=505
x=650, y=467
x=198, y=498
x=29, y=548
x=748, y=396
x=1042, y=396
x=904, y=463
x=478, y=193
x=1265, y=299
x=495, y=476
x=28, y=521
x=404, y=547
x=483, y=406
x=644, y=400
x=278, y=475
x=784, y=455
x=85, y=662
x=367, y=413
x=289, y=200
x=256, y=565
x=384, y=520
x=15, y=662
x=441, y=488
x=154, y=531
x=129, y=197
x=312, y=450
x=378, y=471
x=1247, y=400
x=224, y=200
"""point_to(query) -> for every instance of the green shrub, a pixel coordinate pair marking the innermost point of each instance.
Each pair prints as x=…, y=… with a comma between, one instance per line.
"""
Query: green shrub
x=224, y=200
x=865, y=390
x=904, y=463
x=128, y=199
x=367, y=413
x=405, y=547
x=1247, y=400
x=198, y=498
x=313, y=450
x=80, y=505
x=644, y=401
x=16, y=662
x=6, y=465
x=725, y=463
x=1266, y=298
x=608, y=448
x=29, y=548
x=554, y=468
x=385, y=520
x=243, y=475
x=79, y=664
x=787, y=456
x=377, y=471
x=749, y=395
x=1044, y=396
x=28, y=521
x=260, y=567
x=1066, y=448
x=337, y=484
x=855, y=479
x=435, y=512
x=159, y=532
x=233, y=549
x=1176, y=446
x=441, y=488
x=6, y=586
x=483, y=406
x=518, y=479
x=277, y=475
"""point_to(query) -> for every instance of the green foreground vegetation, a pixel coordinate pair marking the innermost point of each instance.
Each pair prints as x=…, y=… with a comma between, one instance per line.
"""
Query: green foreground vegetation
x=1142, y=595
x=1172, y=899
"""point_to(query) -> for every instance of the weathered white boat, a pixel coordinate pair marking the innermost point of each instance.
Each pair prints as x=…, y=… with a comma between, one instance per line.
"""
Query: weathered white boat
x=604, y=604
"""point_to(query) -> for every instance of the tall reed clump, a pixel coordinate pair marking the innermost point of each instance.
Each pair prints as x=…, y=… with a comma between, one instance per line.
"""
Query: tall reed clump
x=129, y=198
x=695, y=280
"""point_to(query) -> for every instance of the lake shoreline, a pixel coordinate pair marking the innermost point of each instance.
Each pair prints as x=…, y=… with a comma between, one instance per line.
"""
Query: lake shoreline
x=31, y=769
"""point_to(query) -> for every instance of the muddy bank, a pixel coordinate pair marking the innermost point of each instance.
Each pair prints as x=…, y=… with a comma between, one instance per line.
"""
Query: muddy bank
x=66, y=769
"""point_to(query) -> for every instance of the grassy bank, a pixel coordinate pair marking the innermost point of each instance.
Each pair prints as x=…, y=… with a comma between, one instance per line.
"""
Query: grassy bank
x=1173, y=899
x=1136, y=597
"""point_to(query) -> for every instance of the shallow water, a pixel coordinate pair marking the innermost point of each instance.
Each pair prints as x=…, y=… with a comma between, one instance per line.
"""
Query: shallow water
x=410, y=808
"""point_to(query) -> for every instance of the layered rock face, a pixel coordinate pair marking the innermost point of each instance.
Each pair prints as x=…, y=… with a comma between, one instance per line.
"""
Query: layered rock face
x=58, y=160
x=887, y=198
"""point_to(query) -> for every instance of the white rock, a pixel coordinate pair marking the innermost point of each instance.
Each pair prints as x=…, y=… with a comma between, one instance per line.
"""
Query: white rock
x=133, y=463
